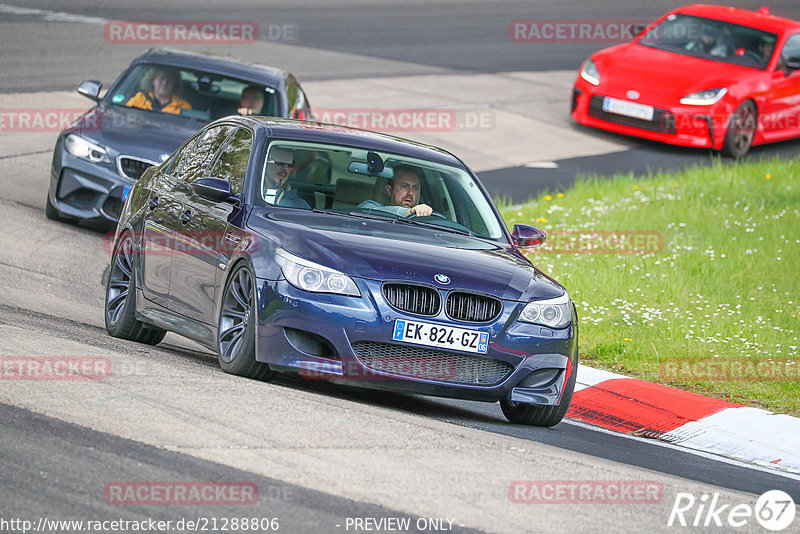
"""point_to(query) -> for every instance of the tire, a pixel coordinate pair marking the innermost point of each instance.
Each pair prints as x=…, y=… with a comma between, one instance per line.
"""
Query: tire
x=236, y=330
x=741, y=130
x=120, y=303
x=529, y=414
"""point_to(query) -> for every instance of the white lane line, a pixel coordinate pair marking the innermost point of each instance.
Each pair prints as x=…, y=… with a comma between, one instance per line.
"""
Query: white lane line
x=542, y=165
x=50, y=16
x=695, y=452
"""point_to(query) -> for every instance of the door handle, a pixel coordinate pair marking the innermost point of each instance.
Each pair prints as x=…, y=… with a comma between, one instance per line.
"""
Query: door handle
x=186, y=216
x=152, y=203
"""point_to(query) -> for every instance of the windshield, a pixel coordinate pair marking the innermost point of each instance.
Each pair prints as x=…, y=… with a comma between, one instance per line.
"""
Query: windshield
x=191, y=93
x=359, y=183
x=712, y=39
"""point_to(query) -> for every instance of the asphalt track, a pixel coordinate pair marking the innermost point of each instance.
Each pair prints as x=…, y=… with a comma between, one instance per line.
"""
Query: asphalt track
x=319, y=453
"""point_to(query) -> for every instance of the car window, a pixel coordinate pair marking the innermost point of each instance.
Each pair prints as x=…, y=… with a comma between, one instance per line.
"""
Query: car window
x=711, y=39
x=298, y=104
x=178, y=159
x=197, y=94
x=359, y=182
x=232, y=163
x=790, y=50
x=206, y=147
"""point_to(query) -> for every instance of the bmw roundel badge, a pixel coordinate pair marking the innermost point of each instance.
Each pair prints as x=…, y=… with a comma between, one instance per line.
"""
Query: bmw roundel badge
x=442, y=278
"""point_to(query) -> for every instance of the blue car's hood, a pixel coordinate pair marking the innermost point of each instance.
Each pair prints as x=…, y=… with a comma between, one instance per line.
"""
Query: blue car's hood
x=136, y=132
x=385, y=251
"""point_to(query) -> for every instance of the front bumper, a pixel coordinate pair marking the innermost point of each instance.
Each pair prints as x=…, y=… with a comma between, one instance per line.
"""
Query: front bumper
x=349, y=340
x=84, y=190
x=692, y=126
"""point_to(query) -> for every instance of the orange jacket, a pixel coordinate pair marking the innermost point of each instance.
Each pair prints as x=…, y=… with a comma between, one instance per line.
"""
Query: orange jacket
x=142, y=101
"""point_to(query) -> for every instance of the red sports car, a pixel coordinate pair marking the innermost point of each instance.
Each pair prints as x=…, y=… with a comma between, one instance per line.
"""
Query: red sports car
x=701, y=76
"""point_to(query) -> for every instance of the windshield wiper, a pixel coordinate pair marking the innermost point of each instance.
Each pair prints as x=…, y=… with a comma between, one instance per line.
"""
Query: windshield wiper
x=449, y=229
x=354, y=214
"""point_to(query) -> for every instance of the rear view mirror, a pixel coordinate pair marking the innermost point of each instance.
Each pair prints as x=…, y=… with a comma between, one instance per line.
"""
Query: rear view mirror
x=90, y=89
x=358, y=167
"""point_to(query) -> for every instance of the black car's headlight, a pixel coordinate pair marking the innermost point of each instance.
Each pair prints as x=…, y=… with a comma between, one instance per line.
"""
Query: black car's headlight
x=704, y=98
x=84, y=149
x=555, y=313
x=590, y=73
x=310, y=276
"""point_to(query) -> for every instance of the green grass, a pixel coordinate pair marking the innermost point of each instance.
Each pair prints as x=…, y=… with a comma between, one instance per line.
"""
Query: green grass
x=722, y=283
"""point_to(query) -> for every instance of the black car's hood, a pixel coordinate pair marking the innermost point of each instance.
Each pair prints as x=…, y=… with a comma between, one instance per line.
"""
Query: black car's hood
x=136, y=132
x=394, y=251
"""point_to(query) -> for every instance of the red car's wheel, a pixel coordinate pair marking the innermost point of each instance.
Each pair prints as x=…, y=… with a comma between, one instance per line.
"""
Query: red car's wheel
x=741, y=130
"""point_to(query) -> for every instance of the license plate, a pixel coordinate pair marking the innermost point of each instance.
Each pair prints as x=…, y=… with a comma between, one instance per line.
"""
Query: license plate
x=629, y=109
x=446, y=337
x=125, y=191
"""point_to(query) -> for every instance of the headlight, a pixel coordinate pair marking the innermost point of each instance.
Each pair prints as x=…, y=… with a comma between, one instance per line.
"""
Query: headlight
x=590, y=73
x=309, y=276
x=704, y=98
x=555, y=313
x=81, y=148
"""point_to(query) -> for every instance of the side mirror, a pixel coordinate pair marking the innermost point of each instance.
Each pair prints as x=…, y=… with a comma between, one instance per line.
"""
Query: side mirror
x=792, y=64
x=90, y=89
x=525, y=236
x=213, y=189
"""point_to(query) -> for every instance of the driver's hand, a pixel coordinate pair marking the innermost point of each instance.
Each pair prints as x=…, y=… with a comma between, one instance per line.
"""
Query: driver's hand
x=245, y=111
x=420, y=210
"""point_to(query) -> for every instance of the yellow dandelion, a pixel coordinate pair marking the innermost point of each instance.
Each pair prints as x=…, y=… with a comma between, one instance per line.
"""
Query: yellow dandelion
x=636, y=187
x=560, y=195
x=675, y=184
x=628, y=339
x=541, y=219
x=548, y=197
x=769, y=176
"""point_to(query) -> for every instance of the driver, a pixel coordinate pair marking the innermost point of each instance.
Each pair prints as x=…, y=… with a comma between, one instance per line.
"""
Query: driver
x=277, y=191
x=403, y=192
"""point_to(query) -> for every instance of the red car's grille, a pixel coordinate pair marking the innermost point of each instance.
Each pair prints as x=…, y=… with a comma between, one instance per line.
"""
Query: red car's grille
x=663, y=120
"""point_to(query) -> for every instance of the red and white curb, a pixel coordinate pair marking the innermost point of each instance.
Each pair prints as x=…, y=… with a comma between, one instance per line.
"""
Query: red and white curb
x=714, y=426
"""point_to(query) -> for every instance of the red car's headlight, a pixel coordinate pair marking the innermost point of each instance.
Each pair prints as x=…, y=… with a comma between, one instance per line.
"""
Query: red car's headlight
x=704, y=98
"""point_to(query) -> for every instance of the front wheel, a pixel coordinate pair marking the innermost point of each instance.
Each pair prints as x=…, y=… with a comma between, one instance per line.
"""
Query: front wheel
x=236, y=331
x=741, y=130
x=529, y=414
x=120, y=307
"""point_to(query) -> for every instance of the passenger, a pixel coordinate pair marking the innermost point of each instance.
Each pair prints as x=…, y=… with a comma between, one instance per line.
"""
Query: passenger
x=277, y=190
x=251, y=101
x=403, y=192
x=710, y=43
x=159, y=84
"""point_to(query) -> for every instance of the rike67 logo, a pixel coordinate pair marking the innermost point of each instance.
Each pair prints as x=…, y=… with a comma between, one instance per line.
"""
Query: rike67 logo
x=774, y=511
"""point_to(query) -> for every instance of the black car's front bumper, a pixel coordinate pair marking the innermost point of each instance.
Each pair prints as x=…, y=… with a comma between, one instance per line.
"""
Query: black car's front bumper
x=84, y=190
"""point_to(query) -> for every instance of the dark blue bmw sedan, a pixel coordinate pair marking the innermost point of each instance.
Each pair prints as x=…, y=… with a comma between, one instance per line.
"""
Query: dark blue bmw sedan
x=342, y=255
